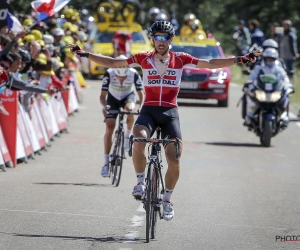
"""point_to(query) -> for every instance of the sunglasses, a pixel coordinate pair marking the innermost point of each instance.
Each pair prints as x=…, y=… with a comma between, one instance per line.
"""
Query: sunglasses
x=4, y=66
x=162, y=38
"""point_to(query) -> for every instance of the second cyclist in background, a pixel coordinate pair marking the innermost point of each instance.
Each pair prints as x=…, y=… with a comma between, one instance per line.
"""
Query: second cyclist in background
x=118, y=91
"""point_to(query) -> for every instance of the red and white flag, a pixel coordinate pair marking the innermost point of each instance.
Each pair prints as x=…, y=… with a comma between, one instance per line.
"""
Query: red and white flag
x=48, y=8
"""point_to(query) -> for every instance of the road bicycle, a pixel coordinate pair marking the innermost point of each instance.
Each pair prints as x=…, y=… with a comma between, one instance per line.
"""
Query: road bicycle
x=118, y=153
x=155, y=186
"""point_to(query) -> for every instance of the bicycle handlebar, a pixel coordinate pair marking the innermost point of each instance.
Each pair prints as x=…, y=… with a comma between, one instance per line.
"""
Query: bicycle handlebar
x=176, y=142
x=122, y=112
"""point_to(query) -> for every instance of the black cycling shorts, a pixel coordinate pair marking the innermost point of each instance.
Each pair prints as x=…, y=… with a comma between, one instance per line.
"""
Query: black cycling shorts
x=164, y=117
x=115, y=104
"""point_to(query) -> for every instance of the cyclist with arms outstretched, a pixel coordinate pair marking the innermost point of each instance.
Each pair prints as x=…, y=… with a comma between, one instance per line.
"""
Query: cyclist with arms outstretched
x=162, y=71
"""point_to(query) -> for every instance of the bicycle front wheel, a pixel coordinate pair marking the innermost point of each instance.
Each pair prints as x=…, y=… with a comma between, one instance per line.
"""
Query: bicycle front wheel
x=119, y=159
x=148, y=201
x=155, y=200
x=112, y=164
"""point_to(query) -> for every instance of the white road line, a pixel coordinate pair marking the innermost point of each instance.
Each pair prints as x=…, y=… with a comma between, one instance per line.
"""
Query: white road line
x=136, y=221
x=130, y=237
x=141, y=208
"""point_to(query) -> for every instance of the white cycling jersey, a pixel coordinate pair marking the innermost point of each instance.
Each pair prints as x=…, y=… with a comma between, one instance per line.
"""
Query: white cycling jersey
x=119, y=91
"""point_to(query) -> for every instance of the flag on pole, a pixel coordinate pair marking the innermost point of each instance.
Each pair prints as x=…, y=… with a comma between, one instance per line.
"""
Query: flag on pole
x=48, y=8
x=13, y=23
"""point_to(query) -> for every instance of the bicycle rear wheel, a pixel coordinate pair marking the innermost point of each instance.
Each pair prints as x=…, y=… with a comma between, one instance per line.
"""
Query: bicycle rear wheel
x=119, y=159
x=155, y=201
x=148, y=201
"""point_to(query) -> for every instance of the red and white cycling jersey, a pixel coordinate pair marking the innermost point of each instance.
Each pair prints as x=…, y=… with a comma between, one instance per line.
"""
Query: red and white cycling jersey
x=162, y=90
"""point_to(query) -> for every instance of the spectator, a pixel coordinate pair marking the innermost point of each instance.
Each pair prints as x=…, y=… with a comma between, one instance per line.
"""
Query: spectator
x=173, y=21
x=288, y=46
x=257, y=36
x=188, y=20
x=276, y=31
x=153, y=12
x=242, y=37
x=122, y=41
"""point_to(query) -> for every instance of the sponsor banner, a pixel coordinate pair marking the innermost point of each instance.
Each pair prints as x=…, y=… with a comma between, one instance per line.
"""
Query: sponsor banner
x=43, y=106
x=77, y=87
x=1, y=160
x=31, y=130
x=59, y=113
x=54, y=125
x=38, y=126
x=9, y=122
x=20, y=150
x=24, y=133
x=72, y=98
x=3, y=148
x=37, y=111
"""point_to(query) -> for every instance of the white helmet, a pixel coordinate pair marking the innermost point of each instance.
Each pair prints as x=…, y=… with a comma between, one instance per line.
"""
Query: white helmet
x=270, y=43
x=161, y=17
x=154, y=10
x=270, y=52
x=121, y=71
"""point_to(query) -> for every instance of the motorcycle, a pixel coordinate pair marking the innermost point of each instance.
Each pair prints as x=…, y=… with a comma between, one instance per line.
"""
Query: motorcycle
x=268, y=106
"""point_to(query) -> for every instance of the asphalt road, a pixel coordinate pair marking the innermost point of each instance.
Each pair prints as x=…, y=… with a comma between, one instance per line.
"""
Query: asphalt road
x=232, y=193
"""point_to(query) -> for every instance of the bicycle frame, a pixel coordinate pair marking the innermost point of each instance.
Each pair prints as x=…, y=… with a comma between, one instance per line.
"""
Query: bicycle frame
x=154, y=181
x=118, y=153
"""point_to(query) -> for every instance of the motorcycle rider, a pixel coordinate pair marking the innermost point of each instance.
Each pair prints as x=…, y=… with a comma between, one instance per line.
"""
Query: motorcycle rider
x=269, y=43
x=269, y=66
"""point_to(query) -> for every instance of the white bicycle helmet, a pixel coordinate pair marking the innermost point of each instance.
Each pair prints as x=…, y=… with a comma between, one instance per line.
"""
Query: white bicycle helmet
x=121, y=71
x=270, y=43
x=154, y=10
x=271, y=53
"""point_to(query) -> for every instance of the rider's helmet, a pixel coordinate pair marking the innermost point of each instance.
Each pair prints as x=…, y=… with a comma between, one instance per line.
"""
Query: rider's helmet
x=188, y=17
x=270, y=53
x=270, y=43
x=196, y=24
x=161, y=17
x=154, y=10
x=121, y=71
x=162, y=27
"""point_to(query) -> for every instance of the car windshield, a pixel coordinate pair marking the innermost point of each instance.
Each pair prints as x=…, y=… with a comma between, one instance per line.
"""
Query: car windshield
x=107, y=37
x=206, y=52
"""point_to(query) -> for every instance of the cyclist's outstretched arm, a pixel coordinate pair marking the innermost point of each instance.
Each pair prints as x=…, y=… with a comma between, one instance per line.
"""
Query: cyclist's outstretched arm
x=226, y=62
x=98, y=58
x=108, y=61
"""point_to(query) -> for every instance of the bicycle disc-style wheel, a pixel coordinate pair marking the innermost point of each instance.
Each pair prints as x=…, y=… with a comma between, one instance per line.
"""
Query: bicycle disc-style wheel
x=149, y=207
x=119, y=159
x=155, y=201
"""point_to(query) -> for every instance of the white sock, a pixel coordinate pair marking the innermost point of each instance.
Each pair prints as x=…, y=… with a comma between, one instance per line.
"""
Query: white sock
x=128, y=134
x=167, y=195
x=140, y=177
x=106, y=159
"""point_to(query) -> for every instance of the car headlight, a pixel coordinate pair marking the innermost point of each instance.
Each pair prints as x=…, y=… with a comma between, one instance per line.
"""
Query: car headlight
x=260, y=95
x=275, y=96
x=222, y=75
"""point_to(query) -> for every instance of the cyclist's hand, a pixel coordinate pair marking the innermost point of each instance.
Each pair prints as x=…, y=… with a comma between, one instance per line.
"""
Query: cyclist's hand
x=105, y=110
x=139, y=109
x=75, y=49
x=251, y=57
